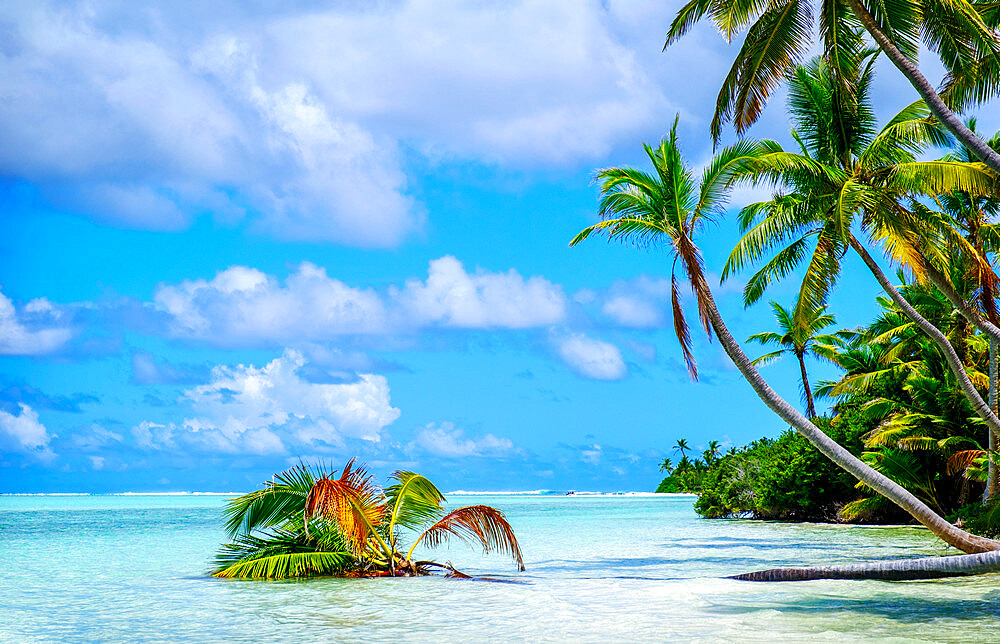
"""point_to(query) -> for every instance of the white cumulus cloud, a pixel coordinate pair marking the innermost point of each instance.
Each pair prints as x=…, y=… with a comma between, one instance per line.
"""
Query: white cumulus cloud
x=267, y=410
x=243, y=306
x=38, y=328
x=452, y=297
x=451, y=442
x=178, y=112
x=642, y=302
x=592, y=358
x=24, y=434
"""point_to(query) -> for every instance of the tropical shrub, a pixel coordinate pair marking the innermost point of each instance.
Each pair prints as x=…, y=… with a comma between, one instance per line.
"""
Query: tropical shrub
x=979, y=519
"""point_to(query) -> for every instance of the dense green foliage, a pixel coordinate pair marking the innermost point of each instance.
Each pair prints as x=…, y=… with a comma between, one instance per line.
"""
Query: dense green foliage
x=783, y=478
x=897, y=407
x=979, y=519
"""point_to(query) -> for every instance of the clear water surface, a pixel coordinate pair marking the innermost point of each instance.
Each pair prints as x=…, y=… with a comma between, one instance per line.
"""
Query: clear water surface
x=132, y=568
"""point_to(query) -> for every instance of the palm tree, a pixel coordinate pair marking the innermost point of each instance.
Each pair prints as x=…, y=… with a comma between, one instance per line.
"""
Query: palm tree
x=712, y=453
x=668, y=207
x=800, y=338
x=778, y=35
x=681, y=446
x=667, y=466
x=844, y=174
x=306, y=522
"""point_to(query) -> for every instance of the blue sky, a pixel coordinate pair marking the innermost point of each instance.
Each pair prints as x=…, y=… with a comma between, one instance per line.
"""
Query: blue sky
x=237, y=238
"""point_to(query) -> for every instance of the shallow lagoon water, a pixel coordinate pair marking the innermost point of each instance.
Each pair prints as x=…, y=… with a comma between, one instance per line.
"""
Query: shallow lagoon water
x=132, y=568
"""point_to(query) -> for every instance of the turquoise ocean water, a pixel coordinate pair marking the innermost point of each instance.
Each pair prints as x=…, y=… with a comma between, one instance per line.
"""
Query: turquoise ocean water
x=630, y=568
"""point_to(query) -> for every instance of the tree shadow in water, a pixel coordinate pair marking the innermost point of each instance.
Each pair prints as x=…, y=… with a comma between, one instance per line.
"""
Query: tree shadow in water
x=902, y=607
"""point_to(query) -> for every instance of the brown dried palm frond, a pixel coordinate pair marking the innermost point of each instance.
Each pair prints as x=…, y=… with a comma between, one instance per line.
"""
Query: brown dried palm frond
x=963, y=460
x=475, y=524
x=352, y=501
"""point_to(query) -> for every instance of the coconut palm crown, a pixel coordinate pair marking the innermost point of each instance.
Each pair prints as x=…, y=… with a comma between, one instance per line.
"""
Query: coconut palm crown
x=800, y=338
x=310, y=522
x=668, y=207
x=964, y=34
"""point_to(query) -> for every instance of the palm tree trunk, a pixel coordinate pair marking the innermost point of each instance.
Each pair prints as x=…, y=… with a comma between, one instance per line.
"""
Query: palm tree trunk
x=968, y=312
x=951, y=357
x=810, y=407
x=990, y=330
x=896, y=570
x=994, y=437
x=827, y=446
x=948, y=118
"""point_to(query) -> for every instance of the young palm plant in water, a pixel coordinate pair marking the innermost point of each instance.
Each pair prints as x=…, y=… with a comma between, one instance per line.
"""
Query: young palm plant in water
x=669, y=208
x=307, y=522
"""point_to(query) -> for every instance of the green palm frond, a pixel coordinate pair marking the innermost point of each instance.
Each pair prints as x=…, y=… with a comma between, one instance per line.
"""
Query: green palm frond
x=725, y=169
x=772, y=46
x=766, y=338
x=823, y=270
x=937, y=177
x=284, y=566
x=768, y=358
x=905, y=469
x=281, y=553
x=864, y=507
x=412, y=501
x=279, y=501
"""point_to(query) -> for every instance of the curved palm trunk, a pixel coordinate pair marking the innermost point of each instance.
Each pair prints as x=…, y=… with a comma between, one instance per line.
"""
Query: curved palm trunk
x=896, y=570
x=994, y=438
x=990, y=330
x=948, y=118
x=810, y=407
x=830, y=448
x=977, y=319
x=955, y=364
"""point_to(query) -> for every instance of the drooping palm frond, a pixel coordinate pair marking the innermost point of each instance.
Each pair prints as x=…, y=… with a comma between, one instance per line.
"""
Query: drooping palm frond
x=960, y=462
x=412, y=501
x=864, y=507
x=477, y=525
x=285, y=566
x=774, y=44
x=279, y=501
x=681, y=330
x=281, y=553
x=352, y=502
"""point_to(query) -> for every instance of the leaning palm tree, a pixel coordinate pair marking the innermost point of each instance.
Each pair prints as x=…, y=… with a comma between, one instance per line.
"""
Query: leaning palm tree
x=799, y=337
x=307, y=522
x=669, y=208
x=779, y=33
x=846, y=175
x=682, y=446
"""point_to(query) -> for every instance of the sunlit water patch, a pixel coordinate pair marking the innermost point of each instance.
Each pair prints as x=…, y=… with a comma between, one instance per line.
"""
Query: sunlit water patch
x=100, y=568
